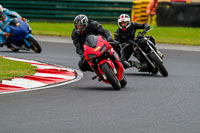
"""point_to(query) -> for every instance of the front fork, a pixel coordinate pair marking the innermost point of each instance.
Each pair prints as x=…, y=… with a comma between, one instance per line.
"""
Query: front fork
x=146, y=55
x=118, y=71
x=26, y=41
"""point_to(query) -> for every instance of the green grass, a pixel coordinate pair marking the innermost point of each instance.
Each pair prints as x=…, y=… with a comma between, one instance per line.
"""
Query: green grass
x=53, y=29
x=10, y=69
x=172, y=35
x=177, y=35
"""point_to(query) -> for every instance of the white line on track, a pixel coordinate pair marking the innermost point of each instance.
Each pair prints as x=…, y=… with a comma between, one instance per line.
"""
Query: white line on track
x=79, y=77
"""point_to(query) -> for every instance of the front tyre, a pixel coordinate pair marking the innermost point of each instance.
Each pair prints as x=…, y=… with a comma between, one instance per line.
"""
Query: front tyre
x=123, y=82
x=111, y=77
x=159, y=65
x=35, y=46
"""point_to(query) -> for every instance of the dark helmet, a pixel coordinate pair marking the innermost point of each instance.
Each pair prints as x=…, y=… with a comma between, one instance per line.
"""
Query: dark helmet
x=81, y=22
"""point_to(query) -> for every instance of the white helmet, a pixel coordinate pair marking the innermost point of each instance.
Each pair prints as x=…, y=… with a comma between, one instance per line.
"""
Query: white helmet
x=124, y=18
x=1, y=9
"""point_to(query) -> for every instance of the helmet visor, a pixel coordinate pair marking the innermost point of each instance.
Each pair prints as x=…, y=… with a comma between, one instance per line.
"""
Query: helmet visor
x=123, y=24
x=80, y=27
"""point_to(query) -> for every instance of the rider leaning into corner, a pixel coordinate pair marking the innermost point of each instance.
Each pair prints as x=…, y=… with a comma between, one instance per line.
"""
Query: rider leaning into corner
x=126, y=32
x=83, y=28
x=5, y=15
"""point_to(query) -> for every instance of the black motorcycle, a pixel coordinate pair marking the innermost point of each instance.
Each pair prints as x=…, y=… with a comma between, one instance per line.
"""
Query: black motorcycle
x=149, y=56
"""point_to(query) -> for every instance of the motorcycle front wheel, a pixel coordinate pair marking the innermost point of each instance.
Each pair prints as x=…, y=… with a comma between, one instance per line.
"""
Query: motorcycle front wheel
x=158, y=64
x=35, y=46
x=123, y=82
x=111, y=77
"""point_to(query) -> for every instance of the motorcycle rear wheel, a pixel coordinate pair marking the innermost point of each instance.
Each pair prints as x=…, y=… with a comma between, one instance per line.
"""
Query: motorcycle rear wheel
x=111, y=77
x=159, y=65
x=35, y=46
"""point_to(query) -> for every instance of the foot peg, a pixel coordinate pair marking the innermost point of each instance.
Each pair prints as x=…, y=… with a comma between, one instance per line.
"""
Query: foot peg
x=93, y=78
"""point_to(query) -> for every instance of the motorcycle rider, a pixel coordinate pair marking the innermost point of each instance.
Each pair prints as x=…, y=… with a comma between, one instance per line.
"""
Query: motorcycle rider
x=126, y=32
x=5, y=15
x=83, y=28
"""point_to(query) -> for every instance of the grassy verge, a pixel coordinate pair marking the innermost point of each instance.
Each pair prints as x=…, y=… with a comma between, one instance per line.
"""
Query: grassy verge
x=172, y=35
x=10, y=69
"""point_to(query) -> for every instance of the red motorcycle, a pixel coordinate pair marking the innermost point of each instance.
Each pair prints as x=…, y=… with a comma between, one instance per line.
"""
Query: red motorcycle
x=104, y=61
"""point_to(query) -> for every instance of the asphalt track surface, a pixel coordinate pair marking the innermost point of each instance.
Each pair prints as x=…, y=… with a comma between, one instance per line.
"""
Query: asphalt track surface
x=148, y=104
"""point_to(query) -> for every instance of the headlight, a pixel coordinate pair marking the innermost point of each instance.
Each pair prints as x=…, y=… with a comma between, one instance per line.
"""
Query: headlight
x=17, y=24
x=103, y=49
x=91, y=55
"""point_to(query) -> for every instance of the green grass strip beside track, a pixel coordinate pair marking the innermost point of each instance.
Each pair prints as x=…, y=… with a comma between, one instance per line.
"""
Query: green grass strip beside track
x=169, y=35
x=10, y=69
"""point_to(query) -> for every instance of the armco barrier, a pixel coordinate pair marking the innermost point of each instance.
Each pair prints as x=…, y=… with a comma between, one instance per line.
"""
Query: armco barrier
x=178, y=14
x=66, y=10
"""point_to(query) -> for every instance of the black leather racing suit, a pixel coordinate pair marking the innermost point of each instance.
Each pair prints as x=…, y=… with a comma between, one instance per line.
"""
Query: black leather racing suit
x=93, y=28
x=123, y=36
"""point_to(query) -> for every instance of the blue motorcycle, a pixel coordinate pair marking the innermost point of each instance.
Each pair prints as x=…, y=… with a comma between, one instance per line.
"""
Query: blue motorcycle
x=20, y=36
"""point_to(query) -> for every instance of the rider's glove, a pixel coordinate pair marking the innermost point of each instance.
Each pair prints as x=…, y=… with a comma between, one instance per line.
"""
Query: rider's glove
x=115, y=44
x=147, y=26
x=23, y=19
x=6, y=34
x=109, y=39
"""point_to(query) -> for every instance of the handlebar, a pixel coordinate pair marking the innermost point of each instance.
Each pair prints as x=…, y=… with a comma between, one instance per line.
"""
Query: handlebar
x=145, y=31
x=140, y=35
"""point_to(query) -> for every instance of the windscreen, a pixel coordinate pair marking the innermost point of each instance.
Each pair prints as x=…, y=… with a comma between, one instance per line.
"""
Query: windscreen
x=91, y=41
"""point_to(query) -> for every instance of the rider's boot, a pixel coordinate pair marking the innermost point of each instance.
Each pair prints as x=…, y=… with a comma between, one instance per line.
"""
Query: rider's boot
x=144, y=67
x=135, y=64
x=1, y=44
x=8, y=45
x=128, y=64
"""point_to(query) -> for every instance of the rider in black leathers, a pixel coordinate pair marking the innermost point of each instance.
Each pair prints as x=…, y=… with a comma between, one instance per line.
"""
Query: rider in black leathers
x=83, y=28
x=126, y=32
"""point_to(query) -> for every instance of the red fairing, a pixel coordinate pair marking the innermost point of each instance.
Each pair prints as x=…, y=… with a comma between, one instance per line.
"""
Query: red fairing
x=111, y=51
x=110, y=63
x=96, y=50
x=120, y=69
x=90, y=63
x=96, y=53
